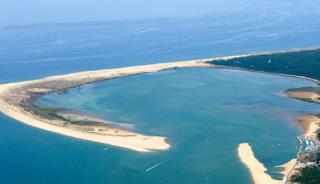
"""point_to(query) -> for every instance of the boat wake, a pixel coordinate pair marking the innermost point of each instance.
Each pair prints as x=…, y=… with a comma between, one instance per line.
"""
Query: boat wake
x=155, y=165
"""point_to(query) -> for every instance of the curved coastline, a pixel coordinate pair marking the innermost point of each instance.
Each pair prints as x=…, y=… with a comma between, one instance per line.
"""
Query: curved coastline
x=16, y=101
x=271, y=73
x=310, y=123
x=258, y=170
x=16, y=98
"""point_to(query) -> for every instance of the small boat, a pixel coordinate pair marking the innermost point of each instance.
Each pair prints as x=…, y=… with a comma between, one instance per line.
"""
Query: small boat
x=269, y=61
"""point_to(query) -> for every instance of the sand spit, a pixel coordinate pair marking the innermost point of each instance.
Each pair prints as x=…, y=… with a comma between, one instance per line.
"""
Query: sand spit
x=304, y=95
x=287, y=167
x=310, y=124
x=16, y=101
x=257, y=169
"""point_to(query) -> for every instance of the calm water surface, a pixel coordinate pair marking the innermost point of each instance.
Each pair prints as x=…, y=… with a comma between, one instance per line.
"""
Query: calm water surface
x=204, y=113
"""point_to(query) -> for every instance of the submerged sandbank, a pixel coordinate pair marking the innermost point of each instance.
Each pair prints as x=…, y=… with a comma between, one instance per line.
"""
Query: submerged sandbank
x=16, y=101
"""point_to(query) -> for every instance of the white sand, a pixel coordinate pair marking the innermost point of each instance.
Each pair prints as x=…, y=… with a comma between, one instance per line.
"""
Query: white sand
x=136, y=142
x=257, y=169
x=115, y=137
x=310, y=124
x=304, y=95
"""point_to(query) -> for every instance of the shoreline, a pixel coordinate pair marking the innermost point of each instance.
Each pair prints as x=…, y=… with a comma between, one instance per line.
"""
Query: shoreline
x=257, y=169
x=16, y=101
x=305, y=94
x=271, y=73
x=309, y=123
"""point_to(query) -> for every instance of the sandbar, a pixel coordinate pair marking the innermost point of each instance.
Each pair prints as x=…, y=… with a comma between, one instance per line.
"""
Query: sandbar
x=257, y=169
x=310, y=124
x=16, y=102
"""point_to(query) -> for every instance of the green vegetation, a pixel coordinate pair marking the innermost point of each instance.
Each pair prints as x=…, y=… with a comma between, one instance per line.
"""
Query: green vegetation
x=307, y=176
x=318, y=134
x=48, y=112
x=52, y=113
x=302, y=63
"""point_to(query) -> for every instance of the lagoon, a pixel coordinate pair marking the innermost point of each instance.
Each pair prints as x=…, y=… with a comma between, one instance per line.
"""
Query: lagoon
x=204, y=113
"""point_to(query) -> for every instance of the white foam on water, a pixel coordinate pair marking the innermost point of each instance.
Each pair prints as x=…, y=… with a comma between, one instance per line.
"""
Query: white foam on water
x=154, y=166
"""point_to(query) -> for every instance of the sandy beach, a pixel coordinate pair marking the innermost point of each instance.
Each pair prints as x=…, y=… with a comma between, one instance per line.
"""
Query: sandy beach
x=257, y=169
x=310, y=95
x=13, y=101
x=309, y=123
x=15, y=98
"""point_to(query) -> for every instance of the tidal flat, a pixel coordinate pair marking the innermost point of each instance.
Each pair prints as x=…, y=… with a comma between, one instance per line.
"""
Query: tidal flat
x=204, y=113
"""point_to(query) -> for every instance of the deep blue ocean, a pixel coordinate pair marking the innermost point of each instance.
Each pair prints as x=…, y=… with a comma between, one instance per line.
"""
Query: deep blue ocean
x=29, y=155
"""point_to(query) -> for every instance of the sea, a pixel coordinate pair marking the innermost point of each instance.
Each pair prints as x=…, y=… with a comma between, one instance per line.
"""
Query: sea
x=203, y=112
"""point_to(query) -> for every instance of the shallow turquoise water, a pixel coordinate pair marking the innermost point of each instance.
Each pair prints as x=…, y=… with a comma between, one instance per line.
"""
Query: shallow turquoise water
x=30, y=155
x=204, y=113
